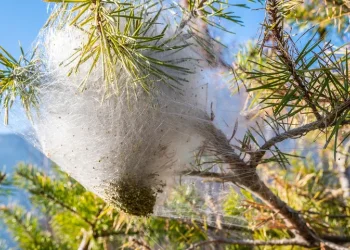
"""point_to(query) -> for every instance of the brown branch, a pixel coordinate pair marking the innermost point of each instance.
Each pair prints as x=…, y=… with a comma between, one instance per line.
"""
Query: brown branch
x=224, y=178
x=334, y=216
x=2, y=177
x=19, y=222
x=329, y=121
x=210, y=176
x=63, y=205
x=276, y=24
x=204, y=225
x=333, y=246
x=291, y=217
x=336, y=238
x=247, y=242
x=138, y=243
x=115, y=233
x=246, y=177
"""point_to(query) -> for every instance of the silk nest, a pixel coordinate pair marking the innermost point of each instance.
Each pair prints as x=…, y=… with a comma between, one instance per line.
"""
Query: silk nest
x=130, y=147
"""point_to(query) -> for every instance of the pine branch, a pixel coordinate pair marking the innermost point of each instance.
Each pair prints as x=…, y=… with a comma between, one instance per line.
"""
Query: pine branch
x=130, y=35
x=138, y=243
x=275, y=24
x=329, y=121
x=46, y=189
x=5, y=184
x=206, y=225
x=27, y=230
x=247, y=242
x=209, y=176
x=283, y=242
x=329, y=13
x=63, y=205
x=17, y=215
x=336, y=239
x=19, y=79
x=244, y=175
x=292, y=218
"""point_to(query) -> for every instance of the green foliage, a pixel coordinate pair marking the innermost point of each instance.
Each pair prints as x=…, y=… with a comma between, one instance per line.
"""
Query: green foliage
x=29, y=232
x=314, y=191
x=5, y=184
x=68, y=212
x=325, y=79
x=66, y=216
x=178, y=234
x=290, y=85
x=213, y=12
x=65, y=213
x=129, y=34
x=18, y=79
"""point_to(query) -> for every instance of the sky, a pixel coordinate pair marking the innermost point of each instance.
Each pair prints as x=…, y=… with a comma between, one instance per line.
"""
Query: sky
x=21, y=20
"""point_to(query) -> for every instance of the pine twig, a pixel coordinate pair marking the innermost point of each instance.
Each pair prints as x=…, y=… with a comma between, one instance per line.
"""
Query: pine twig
x=250, y=180
x=328, y=121
x=275, y=20
x=247, y=242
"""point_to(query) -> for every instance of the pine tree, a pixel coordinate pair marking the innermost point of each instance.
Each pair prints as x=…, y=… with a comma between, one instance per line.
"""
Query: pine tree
x=298, y=90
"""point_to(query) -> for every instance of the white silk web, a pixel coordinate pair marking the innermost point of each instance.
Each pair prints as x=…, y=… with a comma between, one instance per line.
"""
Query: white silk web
x=134, y=144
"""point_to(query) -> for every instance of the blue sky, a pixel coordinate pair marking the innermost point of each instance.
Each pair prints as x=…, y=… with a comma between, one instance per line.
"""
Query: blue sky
x=20, y=20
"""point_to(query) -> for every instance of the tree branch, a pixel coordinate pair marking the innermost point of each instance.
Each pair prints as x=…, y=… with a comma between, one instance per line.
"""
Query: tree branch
x=209, y=176
x=63, y=205
x=336, y=239
x=329, y=121
x=246, y=177
x=276, y=24
x=204, y=225
x=283, y=242
x=247, y=242
x=115, y=233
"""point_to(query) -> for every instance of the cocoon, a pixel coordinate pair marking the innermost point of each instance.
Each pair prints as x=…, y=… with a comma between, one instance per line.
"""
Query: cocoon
x=127, y=146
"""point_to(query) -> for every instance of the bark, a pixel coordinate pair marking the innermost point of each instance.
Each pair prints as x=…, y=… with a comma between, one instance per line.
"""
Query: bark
x=284, y=242
x=85, y=243
x=328, y=121
x=291, y=217
x=244, y=175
